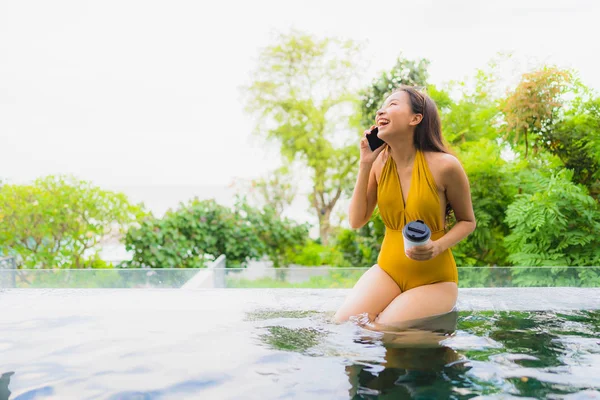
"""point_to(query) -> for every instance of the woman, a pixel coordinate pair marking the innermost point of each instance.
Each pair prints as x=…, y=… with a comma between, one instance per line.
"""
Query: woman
x=411, y=177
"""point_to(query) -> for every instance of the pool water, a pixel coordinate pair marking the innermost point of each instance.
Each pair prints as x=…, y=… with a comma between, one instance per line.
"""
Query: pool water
x=261, y=344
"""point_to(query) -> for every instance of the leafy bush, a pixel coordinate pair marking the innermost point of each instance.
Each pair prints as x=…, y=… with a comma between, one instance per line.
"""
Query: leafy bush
x=360, y=248
x=556, y=225
x=277, y=236
x=181, y=238
x=315, y=254
x=200, y=231
x=493, y=187
x=57, y=222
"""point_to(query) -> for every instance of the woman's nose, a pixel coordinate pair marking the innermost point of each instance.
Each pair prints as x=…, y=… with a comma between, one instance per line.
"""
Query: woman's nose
x=379, y=112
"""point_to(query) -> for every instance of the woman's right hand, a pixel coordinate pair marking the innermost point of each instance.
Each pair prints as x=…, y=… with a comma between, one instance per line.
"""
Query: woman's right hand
x=367, y=156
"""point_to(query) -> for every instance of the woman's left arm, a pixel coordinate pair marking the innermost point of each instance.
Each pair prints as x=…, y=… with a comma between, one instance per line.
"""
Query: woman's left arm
x=458, y=194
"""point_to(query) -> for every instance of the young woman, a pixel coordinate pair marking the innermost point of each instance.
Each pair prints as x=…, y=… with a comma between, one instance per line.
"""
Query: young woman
x=411, y=177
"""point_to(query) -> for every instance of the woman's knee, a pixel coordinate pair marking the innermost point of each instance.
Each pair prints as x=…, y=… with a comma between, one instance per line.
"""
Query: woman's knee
x=361, y=318
x=340, y=317
x=369, y=296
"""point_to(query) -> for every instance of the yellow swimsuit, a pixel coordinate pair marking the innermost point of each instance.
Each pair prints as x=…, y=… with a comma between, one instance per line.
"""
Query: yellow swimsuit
x=422, y=203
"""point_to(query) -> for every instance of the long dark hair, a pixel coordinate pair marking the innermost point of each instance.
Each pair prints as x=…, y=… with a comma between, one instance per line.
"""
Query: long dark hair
x=428, y=133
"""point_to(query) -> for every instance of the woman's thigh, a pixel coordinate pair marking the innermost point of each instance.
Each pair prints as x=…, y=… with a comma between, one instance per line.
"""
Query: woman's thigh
x=420, y=302
x=371, y=294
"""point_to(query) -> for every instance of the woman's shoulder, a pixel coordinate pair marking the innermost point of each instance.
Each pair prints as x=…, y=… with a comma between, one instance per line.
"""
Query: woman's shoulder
x=443, y=165
x=442, y=160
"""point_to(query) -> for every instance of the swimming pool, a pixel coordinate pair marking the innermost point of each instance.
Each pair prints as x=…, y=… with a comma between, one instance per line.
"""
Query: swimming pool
x=279, y=343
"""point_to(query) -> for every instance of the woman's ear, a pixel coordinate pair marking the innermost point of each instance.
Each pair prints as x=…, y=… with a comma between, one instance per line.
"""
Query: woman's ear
x=416, y=119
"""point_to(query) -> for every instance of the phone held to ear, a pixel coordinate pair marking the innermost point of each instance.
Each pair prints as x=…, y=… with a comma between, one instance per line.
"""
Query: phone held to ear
x=374, y=141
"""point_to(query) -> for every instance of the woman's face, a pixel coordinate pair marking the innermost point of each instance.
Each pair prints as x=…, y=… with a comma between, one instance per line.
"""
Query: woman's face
x=396, y=115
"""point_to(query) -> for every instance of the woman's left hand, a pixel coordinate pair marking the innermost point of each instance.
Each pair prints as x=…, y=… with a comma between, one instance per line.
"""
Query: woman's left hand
x=424, y=252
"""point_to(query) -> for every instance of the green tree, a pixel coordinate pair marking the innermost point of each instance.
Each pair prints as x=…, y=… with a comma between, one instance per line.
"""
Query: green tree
x=302, y=94
x=533, y=106
x=404, y=72
x=276, y=191
x=475, y=114
x=57, y=222
x=575, y=139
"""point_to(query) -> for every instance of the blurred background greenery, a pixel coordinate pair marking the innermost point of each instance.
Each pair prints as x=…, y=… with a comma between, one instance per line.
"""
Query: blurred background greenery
x=531, y=152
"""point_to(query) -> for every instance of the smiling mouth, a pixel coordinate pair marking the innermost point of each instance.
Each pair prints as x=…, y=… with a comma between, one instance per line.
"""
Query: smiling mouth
x=382, y=122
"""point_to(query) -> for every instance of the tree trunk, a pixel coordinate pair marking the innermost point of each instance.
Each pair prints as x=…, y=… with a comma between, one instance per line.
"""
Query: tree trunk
x=324, y=225
x=323, y=209
x=281, y=274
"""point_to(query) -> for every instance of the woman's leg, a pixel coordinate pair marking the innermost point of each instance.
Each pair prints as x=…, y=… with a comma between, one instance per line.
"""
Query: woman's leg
x=372, y=293
x=420, y=302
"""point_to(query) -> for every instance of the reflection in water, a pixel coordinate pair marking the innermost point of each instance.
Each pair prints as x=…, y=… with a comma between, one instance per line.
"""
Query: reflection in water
x=413, y=363
x=532, y=331
x=416, y=363
x=407, y=373
x=4, y=382
x=299, y=340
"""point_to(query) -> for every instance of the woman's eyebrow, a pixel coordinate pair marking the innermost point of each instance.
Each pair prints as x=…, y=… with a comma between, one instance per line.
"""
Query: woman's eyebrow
x=388, y=102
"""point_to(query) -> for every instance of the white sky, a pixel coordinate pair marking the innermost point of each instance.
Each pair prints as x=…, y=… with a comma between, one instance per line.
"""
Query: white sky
x=137, y=93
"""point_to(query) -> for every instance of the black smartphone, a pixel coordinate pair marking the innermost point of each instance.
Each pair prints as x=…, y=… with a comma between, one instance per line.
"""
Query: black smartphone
x=374, y=141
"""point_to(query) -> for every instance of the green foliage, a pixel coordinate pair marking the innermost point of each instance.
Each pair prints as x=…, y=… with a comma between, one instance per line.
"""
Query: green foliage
x=554, y=225
x=57, y=222
x=183, y=237
x=474, y=115
x=315, y=254
x=441, y=97
x=202, y=230
x=575, y=139
x=530, y=110
x=277, y=236
x=276, y=191
x=493, y=188
x=404, y=72
x=360, y=248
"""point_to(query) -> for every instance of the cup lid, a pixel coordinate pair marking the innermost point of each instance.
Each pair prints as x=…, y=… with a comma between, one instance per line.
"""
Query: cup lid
x=416, y=231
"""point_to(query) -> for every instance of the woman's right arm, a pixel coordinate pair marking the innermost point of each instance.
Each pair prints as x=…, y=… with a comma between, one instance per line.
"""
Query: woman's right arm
x=364, y=197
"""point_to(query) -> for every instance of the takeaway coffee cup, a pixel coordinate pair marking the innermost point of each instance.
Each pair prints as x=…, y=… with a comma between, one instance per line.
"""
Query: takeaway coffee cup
x=415, y=233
